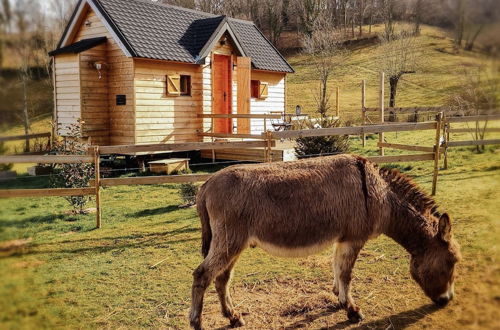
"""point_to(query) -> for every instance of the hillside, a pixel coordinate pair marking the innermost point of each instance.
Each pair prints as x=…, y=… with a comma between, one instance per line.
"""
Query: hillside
x=440, y=74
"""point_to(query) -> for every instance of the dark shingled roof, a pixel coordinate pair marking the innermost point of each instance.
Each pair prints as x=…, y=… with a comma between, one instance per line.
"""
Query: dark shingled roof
x=165, y=32
x=79, y=46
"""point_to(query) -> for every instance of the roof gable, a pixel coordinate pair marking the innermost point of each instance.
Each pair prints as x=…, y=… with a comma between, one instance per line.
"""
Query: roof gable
x=146, y=29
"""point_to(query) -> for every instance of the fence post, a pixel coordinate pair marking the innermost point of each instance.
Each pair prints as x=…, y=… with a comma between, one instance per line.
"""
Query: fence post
x=446, y=135
x=437, y=148
x=269, y=139
x=338, y=101
x=363, y=109
x=97, y=180
x=381, y=110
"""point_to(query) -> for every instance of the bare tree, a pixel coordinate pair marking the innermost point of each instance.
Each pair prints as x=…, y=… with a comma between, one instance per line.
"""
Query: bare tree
x=388, y=10
x=5, y=23
x=400, y=56
x=328, y=55
x=274, y=13
x=308, y=13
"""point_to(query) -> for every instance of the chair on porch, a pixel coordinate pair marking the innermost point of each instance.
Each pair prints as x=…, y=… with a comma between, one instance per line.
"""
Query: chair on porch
x=280, y=124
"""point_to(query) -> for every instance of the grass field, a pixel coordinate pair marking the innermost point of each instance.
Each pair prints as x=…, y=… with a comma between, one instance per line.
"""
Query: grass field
x=69, y=275
x=440, y=72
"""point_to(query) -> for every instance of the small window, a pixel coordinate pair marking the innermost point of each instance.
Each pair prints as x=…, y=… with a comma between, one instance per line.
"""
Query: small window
x=178, y=85
x=260, y=90
x=255, y=85
x=185, y=85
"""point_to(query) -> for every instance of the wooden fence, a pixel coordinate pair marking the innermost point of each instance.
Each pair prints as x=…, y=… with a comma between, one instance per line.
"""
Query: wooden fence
x=28, y=138
x=267, y=141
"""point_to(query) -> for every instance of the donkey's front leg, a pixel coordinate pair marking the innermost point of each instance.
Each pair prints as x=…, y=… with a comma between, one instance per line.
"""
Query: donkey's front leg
x=346, y=254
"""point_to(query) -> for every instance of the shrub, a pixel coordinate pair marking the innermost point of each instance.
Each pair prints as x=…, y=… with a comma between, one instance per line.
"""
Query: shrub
x=188, y=193
x=73, y=175
x=321, y=145
x=3, y=150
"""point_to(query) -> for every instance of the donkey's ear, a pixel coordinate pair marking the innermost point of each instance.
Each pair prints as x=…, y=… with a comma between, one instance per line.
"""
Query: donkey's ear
x=445, y=227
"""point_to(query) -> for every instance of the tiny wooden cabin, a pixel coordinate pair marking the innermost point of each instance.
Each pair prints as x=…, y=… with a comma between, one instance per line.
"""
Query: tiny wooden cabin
x=140, y=72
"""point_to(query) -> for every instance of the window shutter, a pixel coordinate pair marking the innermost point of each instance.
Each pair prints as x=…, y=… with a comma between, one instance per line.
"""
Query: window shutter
x=174, y=85
x=264, y=90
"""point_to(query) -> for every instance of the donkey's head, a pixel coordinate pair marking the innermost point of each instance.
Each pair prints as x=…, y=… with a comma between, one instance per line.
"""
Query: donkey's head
x=434, y=269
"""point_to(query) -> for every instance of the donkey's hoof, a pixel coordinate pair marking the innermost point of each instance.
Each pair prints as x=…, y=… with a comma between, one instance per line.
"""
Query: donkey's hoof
x=355, y=316
x=237, y=322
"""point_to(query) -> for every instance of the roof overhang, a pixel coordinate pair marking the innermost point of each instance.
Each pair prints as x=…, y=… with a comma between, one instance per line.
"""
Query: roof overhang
x=76, y=20
x=80, y=46
x=223, y=27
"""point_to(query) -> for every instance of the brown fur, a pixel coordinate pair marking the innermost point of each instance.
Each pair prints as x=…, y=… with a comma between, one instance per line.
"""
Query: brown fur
x=299, y=208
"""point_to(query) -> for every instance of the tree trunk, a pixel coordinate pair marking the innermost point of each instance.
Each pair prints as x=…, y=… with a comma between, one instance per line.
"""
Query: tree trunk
x=26, y=121
x=393, y=81
x=371, y=17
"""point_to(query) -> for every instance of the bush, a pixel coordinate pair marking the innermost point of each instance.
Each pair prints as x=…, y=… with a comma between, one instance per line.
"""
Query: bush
x=4, y=167
x=73, y=175
x=188, y=193
x=321, y=145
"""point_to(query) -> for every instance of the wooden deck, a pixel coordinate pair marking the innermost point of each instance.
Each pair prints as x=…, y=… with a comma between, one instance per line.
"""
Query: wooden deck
x=284, y=151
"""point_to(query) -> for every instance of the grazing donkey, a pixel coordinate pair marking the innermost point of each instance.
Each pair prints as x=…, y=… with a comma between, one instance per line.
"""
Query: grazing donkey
x=299, y=208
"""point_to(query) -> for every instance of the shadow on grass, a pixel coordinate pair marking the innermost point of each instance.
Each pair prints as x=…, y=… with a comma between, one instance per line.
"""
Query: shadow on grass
x=399, y=321
x=301, y=324
x=150, y=212
x=42, y=219
x=107, y=244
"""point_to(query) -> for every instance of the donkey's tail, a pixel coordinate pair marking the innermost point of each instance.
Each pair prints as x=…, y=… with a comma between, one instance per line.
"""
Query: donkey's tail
x=206, y=231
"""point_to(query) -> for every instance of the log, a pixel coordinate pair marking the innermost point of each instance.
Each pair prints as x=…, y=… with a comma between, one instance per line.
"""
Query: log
x=147, y=180
x=127, y=149
x=59, y=159
x=14, y=193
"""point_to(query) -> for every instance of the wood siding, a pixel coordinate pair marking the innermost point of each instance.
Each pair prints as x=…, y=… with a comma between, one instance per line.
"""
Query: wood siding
x=274, y=102
x=67, y=91
x=94, y=94
x=162, y=118
x=98, y=104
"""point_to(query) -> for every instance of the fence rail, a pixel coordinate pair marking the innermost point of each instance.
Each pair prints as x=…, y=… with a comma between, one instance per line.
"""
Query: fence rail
x=25, y=137
x=57, y=159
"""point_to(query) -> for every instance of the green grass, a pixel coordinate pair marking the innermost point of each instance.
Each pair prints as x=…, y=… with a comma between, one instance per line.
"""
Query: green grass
x=440, y=73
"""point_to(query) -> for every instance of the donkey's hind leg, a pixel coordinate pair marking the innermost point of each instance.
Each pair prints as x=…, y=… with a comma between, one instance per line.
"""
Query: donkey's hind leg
x=219, y=258
x=346, y=254
x=222, y=286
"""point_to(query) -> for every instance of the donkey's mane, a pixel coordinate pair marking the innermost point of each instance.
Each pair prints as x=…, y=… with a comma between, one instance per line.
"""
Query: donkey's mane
x=404, y=187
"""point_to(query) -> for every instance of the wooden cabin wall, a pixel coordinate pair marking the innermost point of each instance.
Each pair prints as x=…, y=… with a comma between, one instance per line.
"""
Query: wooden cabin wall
x=120, y=79
x=67, y=91
x=94, y=94
x=274, y=102
x=162, y=118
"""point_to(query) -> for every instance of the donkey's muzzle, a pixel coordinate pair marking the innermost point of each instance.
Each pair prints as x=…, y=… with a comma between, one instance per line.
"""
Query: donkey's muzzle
x=441, y=301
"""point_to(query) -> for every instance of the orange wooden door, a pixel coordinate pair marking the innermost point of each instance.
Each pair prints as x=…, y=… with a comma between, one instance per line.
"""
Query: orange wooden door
x=222, y=93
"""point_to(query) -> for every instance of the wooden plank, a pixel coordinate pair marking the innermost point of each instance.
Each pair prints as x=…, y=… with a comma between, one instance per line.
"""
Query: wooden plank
x=24, y=137
x=405, y=147
x=155, y=180
x=59, y=159
x=401, y=158
x=437, y=149
x=473, y=118
x=472, y=130
x=244, y=72
x=472, y=143
x=409, y=109
x=240, y=136
x=355, y=130
x=180, y=147
x=14, y=193
x=251, y=116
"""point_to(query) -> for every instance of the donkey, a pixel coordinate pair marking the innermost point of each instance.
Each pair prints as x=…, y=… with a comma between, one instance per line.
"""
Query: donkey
x=299, y=208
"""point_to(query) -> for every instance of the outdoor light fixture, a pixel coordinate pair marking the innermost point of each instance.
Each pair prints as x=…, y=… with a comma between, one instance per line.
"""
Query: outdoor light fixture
x=298, y=110
x=88, y=23
x=99, y=66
